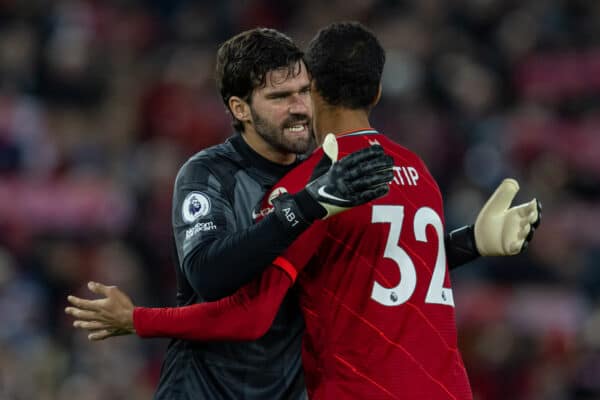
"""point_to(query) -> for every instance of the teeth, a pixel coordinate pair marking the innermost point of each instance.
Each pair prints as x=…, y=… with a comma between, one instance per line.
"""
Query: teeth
x=296, y=128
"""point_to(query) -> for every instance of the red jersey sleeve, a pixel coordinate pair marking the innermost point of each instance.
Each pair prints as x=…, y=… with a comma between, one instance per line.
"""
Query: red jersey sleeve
x=245, y=315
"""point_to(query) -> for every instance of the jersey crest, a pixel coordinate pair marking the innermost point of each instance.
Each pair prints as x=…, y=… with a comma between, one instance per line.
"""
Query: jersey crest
x=194, y=206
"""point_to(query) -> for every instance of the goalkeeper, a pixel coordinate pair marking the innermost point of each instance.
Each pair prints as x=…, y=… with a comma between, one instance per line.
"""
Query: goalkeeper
x=499, y=230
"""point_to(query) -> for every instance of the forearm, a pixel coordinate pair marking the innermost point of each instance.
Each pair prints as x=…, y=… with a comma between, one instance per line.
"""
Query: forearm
x=226, y=264
x=246, y=315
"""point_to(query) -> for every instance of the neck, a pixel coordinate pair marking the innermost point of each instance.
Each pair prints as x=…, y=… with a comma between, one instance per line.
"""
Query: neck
x=264, y=149
x=338, y=120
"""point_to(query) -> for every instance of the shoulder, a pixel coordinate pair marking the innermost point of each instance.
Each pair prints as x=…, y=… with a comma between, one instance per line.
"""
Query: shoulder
x=216, y=161
x=399, y=152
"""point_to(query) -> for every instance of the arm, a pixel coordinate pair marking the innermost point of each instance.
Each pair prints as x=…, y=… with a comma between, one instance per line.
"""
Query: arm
x=214, y=240
x=246, y=315
x=460, y=247
x=210, y=246
x=500, y=230
x=254, y=248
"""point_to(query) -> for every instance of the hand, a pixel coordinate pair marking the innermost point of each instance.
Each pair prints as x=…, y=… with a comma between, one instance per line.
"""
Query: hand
x=337, y=186
x=503, y=231
x=356, y=179
x=106, y=317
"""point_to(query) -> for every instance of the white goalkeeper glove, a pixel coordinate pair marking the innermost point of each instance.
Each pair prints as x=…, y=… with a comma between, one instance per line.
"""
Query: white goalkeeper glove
x=501, y=230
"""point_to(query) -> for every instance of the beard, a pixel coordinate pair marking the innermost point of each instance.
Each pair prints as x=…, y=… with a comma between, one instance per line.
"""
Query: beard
x=275, y=136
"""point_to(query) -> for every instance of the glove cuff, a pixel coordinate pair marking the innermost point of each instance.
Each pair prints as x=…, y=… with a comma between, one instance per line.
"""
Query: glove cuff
x=309, y=207
x=461, y=247
x=297, y=212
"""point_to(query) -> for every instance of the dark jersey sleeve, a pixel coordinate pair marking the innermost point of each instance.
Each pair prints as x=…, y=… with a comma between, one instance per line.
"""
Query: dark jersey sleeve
x=216, y=255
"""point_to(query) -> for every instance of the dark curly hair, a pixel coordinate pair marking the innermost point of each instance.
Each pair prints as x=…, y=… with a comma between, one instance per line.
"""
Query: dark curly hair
x=346, y=62
x=244, y=61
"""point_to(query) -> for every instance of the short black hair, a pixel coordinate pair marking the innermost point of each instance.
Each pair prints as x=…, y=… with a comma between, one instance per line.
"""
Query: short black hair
x=346, y=62
x=244, y=61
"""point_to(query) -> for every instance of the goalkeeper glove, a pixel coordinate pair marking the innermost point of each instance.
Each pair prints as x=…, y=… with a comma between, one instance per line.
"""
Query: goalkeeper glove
x=337, y=186
x=503, y=231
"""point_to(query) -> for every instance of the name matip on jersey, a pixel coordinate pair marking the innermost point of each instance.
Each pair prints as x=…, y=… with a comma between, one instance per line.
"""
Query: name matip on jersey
x=375, y=291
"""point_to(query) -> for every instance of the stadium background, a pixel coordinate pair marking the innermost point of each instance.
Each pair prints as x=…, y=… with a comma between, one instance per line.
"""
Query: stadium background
x=101, y=101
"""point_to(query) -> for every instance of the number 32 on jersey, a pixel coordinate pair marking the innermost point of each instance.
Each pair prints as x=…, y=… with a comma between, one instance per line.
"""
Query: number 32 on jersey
x=425, y=216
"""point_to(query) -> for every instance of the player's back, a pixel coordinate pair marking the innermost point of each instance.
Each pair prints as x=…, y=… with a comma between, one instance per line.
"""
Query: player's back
x=376, y=297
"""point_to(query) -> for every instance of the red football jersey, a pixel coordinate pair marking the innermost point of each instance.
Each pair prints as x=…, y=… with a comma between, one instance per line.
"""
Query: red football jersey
x=376, y=292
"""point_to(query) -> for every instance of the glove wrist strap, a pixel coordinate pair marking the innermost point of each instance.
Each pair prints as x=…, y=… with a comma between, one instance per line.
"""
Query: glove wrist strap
x=295, y=211
x=461, y=247
x=308, y=206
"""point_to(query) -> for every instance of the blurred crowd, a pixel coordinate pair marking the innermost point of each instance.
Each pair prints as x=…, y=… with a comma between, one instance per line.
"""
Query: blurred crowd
x=102, y=101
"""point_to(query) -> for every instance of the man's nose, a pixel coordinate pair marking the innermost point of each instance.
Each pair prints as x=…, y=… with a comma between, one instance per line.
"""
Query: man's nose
x=299, y=104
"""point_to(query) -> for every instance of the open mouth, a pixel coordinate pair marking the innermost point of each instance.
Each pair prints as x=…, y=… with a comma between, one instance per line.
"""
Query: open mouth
x=297, y=128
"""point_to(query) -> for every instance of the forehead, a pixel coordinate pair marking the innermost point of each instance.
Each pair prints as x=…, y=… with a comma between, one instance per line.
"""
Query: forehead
x=286, y=78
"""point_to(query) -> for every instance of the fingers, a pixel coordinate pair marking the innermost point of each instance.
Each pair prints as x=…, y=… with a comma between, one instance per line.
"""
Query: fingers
x=82, y=314
x=528, y=211
x=522, y=237
x=375, y=193
x=524, y=232
x=530, y=215
x=382, y=165
x=84, y=304
x=515, y=247
x=91, y=325
x=370, y=182
x=539, y=214
x=501, y=199
x=534, y=225
x=100, y=335
x=99, y=288
x=362, y=156
x=530, y=235
x=330, y=147
x=527, y=219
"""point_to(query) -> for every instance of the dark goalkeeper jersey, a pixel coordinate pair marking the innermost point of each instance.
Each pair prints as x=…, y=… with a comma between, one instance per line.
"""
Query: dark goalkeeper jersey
x=219, y=249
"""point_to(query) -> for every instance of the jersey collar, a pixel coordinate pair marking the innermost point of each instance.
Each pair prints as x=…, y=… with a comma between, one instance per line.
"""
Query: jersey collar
x=357, y=132
x=257, y=161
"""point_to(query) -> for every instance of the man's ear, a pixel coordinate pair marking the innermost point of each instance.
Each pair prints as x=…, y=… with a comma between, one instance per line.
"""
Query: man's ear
x=239, y=108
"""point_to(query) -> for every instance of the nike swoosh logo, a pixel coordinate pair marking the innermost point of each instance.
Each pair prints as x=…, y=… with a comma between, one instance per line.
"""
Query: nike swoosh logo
x=323, y=193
